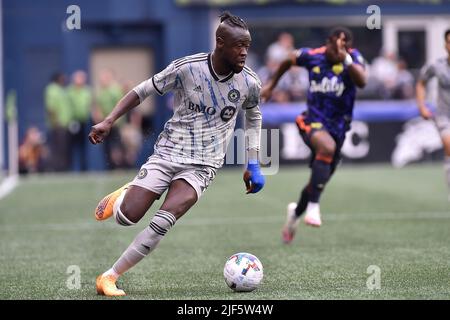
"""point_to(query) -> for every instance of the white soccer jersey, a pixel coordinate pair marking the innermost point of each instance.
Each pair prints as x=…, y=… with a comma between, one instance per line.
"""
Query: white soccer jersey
x=205, y=110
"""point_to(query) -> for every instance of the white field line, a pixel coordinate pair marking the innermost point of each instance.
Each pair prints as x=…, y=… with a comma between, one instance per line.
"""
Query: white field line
x=8, y=185
x=76, y=226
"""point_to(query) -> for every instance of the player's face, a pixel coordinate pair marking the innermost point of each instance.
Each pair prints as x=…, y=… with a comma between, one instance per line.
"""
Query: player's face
x=337, y=48
x=235, y=49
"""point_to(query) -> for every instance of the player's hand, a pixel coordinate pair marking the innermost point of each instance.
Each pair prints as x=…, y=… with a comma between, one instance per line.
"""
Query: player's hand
x=254, y=180
x=425, y=113
x=99, y=132
x=266, y=93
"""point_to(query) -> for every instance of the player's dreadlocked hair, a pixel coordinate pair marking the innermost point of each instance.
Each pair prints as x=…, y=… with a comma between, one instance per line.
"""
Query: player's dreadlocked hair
x=233, y=20
x=336, y=32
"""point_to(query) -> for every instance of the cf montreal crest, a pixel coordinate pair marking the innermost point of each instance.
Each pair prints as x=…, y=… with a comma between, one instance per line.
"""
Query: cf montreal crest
x=142, y=173
x=234, y=95
x=227, y=113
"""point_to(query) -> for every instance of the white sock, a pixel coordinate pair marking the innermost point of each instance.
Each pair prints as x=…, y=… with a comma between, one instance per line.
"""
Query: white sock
x=111, y=272
x=146, y=241
x=313, y=207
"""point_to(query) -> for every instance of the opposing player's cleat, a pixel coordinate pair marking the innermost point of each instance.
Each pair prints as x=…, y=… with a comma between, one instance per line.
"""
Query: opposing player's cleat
x=105, y=207
x=291, y=225
x=106, y=285
x=312, y=216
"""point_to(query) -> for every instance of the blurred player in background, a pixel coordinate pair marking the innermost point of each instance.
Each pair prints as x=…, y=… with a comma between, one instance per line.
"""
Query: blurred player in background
x=441, y=70
x=335, y=70
x=209, y=91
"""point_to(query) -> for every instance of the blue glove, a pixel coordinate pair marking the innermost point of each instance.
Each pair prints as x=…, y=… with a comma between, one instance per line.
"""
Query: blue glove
x=253, y=179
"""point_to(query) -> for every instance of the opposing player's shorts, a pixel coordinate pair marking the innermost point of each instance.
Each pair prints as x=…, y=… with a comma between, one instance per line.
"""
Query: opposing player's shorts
x=307, y=128
x=157, y=174
x=442, y=124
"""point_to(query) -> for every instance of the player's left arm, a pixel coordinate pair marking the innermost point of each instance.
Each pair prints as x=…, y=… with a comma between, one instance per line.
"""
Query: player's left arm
x=355, y=66
x=254, y=180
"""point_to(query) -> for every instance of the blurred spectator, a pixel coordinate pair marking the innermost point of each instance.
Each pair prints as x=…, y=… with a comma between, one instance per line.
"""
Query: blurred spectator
x=279, y=50
x=109, y=94
x=293, y=84
x=58, y=118
x=32, y=152
x=132, y=138
x=404, y=84
x=384, y=71
x=80, y=97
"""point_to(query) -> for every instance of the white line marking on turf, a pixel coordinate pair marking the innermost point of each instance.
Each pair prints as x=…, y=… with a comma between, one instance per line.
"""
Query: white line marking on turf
x=8, y=186
x=361, y=217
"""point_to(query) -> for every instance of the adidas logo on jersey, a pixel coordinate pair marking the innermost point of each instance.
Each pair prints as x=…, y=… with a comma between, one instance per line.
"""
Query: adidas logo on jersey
x=198, y=89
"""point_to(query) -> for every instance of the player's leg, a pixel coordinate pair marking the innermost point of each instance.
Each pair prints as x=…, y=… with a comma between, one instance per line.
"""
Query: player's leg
x=324, y=149
x=129, y=208
x=443, y=126
x=129, y=205
x=323, y=163
x=184, y=191
x=179, y=199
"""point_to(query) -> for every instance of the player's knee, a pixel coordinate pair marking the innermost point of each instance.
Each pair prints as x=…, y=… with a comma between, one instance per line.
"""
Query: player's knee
x=327, y=150
x=131, y=213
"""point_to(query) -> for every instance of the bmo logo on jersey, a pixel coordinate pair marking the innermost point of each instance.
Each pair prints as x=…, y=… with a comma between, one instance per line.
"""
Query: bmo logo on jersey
x=201, y=108
x=227, y=113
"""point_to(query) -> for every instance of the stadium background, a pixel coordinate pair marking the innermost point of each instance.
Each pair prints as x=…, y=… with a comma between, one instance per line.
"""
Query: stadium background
x=373, y=215
x=138, y=38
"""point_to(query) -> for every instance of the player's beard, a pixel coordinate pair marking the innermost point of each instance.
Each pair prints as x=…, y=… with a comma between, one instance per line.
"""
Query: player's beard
x=235, y=67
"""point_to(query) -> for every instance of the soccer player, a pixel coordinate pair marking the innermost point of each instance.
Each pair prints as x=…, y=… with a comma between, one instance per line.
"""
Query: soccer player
x=335, y=70
x=209, y=90
x=441, y=70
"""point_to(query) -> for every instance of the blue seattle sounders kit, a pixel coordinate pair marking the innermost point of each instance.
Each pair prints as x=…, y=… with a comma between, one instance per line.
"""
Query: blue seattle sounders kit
x=331, y=93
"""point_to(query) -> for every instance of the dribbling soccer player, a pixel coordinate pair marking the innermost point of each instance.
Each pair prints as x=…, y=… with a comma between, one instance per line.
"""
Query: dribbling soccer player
x=441, y=70
x=335, y=70
x=209, y=90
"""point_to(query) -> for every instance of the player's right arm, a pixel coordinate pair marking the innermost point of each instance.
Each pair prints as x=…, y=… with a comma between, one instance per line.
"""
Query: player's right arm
x=160, y=83
x=101, y=130
x=426, y=73
x=266, y=91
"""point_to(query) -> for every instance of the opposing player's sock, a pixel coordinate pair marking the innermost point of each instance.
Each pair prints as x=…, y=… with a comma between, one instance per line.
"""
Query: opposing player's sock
x=447, y=173
x=321, y=169
x=105, y=208
x=312, y=216
x=291, y=225
x=303, y=201
x=146, y=241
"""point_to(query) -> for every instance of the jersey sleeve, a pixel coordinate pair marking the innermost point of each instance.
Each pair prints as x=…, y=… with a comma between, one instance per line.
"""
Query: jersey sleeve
x=427, y=72
x=303, y=57
x=357, y=57
x=160, y=83
x=253, y=118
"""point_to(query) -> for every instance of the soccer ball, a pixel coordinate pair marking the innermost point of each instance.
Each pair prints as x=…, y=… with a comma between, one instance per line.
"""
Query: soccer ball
x=243, y=272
